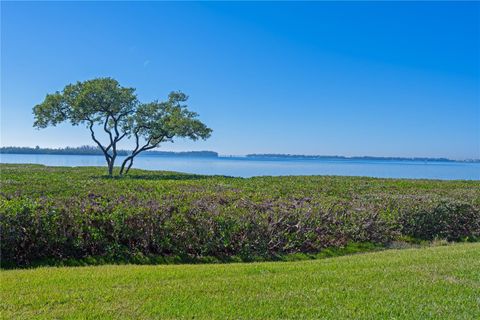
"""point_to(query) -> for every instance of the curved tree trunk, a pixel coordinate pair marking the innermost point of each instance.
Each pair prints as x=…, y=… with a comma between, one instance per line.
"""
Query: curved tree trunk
x=128, y=159
x=128, y=162
x=129, y=166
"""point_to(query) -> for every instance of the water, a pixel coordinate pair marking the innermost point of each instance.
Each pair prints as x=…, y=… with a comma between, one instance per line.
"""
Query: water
x=244, y=167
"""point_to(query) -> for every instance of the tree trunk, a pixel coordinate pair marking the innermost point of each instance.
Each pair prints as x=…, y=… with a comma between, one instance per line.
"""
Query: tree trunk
x=135, y=153
x=129, y=166
x=122, y=168
x=110, y=163
x=110, y=168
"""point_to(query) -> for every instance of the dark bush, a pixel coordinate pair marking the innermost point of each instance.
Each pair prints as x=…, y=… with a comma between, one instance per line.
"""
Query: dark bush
x=452, y=221
x=46, y=230
x=71, y=215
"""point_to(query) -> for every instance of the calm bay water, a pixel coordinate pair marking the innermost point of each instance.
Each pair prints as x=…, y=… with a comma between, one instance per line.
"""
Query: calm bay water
x=244, y=167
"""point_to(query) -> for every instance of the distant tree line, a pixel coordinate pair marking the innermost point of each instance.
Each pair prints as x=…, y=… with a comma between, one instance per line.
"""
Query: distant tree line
x=91, y=150
x=212, y=154
x=82, y=150
x=300, y=156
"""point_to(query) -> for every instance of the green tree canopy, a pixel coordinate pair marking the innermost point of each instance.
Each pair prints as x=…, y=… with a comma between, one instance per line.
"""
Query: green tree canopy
x=104, y=103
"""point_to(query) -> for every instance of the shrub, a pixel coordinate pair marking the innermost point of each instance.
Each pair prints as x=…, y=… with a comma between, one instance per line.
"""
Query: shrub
x=63, y=215
x=452, y=221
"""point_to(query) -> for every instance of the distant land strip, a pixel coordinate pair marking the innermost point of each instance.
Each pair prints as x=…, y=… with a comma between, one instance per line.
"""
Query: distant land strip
x=300, y=156
x=92, y=150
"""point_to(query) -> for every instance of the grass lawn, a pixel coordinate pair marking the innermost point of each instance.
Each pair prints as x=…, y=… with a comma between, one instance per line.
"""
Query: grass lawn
x=433, y=282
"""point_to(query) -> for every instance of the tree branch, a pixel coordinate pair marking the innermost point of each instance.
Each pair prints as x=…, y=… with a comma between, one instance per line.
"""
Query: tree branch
x=95, y=139
x=109, y=134
x=105, y=152
x=138, y=150
x=130, y=157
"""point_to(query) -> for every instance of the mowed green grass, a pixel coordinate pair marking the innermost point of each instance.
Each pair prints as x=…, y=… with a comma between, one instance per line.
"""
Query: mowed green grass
x=426, y=283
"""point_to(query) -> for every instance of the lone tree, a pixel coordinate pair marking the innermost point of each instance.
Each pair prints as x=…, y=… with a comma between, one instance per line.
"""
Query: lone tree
x=103, y=104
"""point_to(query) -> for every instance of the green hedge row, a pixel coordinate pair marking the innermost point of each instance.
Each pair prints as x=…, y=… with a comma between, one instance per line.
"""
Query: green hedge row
x=123, y=228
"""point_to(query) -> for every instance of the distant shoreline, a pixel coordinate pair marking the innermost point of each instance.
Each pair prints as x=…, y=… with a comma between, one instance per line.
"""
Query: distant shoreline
x=322, y=157
x=93, y=151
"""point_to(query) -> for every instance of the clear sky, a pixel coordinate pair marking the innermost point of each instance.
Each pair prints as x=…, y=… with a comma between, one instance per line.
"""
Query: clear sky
x=377, y=78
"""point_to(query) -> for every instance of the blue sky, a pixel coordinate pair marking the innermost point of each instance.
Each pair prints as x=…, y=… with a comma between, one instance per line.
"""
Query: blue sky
x=377, y=78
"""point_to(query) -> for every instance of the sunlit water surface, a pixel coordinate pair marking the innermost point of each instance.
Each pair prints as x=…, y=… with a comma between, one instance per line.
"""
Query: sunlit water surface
x=245, y=167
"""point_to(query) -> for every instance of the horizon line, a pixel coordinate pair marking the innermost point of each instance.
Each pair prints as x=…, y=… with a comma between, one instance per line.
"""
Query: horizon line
x=265, y=155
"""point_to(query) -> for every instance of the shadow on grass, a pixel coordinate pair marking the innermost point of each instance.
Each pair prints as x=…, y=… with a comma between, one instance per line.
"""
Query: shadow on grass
x=141, y=259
